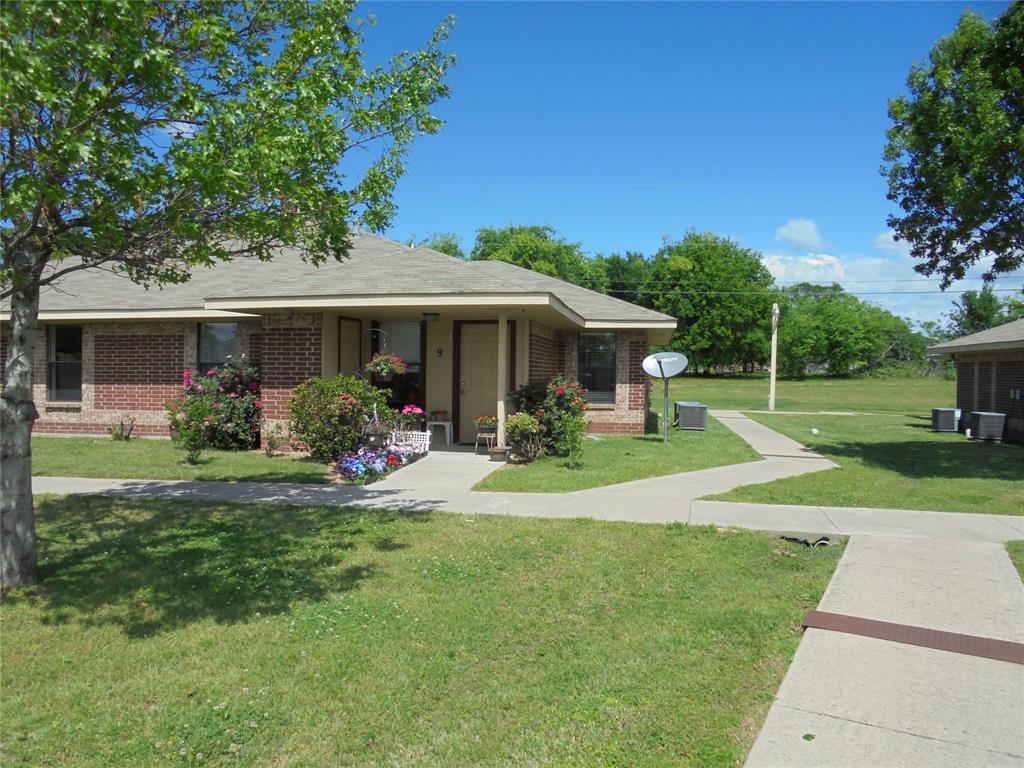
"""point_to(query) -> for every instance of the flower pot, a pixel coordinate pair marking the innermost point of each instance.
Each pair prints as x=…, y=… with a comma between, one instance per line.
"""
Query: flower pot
x=376, y=439
x=383, y=378
x=498, y=454
x=492, y=430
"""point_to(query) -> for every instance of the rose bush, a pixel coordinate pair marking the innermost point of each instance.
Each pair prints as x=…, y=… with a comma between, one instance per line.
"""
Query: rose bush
x=230, y=397
x=524, y=436
x=561, y=417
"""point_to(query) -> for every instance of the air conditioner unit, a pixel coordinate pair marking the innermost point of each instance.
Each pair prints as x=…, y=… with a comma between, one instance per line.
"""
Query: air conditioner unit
x=691, y=416
x=986, y=425
x=945, y=419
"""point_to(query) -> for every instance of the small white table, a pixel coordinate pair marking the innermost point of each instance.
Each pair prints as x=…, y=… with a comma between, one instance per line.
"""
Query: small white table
x=447, y=429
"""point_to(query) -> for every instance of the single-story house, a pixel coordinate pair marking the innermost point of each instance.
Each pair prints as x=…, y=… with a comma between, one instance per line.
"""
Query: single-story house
x=990, y=373
x=470, y=331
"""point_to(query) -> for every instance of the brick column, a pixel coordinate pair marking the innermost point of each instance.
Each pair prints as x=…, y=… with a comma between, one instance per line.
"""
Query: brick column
x=290, y=352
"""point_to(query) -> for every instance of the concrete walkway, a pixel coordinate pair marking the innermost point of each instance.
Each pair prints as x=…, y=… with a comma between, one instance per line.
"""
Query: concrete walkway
x=442, y=481
x=861, y=702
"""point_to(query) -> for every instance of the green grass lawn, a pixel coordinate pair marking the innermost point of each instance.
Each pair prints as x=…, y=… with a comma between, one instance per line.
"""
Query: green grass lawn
x=160, y=460
x=622, y=458
x=272, y=635
x=1016, y=551
x=896, y=462
x=814, y=394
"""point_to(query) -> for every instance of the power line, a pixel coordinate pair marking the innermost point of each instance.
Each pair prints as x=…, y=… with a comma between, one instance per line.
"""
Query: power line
x=769, y=291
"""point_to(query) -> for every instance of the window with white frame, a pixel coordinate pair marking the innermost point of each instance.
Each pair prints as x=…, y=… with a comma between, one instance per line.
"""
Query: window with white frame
x=64, y=364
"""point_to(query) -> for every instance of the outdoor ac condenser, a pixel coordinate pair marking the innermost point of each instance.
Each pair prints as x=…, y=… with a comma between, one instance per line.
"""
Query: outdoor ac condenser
x=691, y=416
x=945, y=419
x=986, y=425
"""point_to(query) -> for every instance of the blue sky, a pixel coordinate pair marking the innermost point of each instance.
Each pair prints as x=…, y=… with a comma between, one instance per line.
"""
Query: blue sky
x=621, y=124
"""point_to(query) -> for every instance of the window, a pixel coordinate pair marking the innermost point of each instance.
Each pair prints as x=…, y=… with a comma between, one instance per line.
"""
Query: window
x=403, y=339
x=597, y=366
x=216, y=343
x=64, y=364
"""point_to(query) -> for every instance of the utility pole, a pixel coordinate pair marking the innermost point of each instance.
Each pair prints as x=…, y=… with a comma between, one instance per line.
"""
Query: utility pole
x=775, y=355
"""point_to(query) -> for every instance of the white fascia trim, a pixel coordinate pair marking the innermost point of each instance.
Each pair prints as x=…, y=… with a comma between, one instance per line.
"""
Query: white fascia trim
x=136, y=314
x=384, y=300
x=991, y=346
x=630, y=324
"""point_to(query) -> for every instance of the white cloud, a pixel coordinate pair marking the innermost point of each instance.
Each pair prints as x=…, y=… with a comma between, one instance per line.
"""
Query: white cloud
x=802, y=233
x=814, y=267
x=884, y=241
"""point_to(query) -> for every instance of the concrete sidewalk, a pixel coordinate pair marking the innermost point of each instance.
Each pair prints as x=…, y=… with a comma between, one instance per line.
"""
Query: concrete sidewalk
x=862, y=702
x=443, y=481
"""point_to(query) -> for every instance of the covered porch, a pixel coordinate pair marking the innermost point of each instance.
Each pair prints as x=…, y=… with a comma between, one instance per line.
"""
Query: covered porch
x=461, y=364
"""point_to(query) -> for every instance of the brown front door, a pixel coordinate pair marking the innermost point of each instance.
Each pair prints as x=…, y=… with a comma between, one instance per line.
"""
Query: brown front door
x=478, y=371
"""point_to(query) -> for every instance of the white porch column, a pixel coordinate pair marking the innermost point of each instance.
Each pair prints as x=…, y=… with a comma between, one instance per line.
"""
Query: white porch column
x=502, y=376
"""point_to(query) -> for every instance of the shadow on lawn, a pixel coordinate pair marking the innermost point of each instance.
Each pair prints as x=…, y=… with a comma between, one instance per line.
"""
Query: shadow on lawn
x=935, y=458
x=155, y=566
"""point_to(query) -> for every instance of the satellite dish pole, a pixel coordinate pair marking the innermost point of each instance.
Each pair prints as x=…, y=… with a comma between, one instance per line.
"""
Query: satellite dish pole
x=775, y=354
x=665, y=365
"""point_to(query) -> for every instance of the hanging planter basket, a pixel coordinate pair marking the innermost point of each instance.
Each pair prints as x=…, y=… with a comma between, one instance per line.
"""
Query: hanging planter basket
x=385, y=366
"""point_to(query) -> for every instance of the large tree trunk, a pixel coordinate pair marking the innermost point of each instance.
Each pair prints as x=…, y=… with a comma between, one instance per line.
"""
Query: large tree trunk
x=18, y=564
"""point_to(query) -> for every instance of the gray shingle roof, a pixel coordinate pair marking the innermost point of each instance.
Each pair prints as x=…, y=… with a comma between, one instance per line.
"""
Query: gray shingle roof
x=375, y=266
x=1007, y=336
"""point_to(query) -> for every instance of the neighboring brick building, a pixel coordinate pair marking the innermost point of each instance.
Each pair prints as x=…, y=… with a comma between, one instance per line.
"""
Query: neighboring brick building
x=107, y=346
x=990, y=374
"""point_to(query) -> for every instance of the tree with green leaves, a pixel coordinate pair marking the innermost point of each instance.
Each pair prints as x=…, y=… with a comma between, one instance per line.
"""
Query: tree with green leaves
x=955, y=152
x=721, y=294
x=981, y=310
x=627, y=276
x=445, y=242
x=539, y=248
x=825, y=329
x=150, y=138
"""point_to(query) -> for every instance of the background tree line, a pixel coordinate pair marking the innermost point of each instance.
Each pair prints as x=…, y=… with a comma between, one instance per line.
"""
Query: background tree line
x=722, y=294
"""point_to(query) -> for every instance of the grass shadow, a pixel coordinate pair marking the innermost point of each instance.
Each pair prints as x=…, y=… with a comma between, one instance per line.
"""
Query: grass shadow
x=154, y=566
x=936, y=458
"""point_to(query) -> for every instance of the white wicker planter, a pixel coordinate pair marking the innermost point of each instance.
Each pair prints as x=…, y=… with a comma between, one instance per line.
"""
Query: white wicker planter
x=417, y=442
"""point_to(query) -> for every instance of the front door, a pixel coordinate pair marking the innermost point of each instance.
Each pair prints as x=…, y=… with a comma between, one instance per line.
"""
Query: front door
x=478, y=376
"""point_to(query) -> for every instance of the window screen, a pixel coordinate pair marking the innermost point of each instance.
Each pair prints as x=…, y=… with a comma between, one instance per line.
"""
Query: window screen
x=64, y=363
x=597, y=366
x=216, y=343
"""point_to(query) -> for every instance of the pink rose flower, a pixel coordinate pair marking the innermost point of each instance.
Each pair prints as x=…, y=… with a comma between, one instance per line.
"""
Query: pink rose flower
x=199, y=389
x=259, y=403
x=211, y=372
x=216, y=405
x=232, y=394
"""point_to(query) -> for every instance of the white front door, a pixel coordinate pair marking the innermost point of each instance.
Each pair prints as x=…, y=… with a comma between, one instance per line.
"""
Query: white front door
x=478, y=376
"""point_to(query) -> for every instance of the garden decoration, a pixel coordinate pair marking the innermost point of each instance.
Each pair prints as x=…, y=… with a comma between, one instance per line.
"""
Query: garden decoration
x=384, y=366
x=665, y=365
x=377, y=431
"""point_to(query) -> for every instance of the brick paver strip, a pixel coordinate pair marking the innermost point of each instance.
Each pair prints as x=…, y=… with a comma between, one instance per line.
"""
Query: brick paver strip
x=972, y=645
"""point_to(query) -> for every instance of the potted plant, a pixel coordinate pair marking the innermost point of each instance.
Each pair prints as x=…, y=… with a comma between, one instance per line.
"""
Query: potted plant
x=523, y=433
x=486, y=424
x=384, y=366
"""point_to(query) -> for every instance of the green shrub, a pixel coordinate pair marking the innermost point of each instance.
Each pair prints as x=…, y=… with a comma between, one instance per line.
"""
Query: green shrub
x=523, y=433
x=561, y=417
x=330, y=415
x=191, y=424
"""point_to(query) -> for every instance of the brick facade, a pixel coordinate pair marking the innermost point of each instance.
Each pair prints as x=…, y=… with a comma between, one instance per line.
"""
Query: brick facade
x=985, y=381
x=291, y=351
x=136, y=372
x=556, y=353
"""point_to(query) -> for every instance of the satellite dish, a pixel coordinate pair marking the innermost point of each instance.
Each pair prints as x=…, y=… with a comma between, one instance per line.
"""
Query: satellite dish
x=665, y=365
